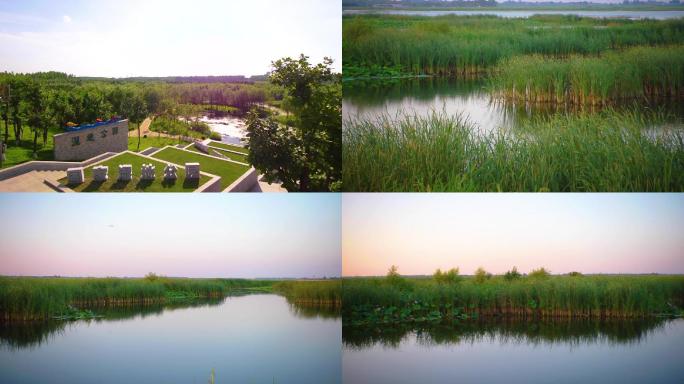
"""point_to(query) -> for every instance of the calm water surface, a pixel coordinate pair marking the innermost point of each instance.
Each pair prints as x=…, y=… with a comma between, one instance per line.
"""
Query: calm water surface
x=245, y=339
x=534, y=352
x=660, y=15
x=368, y=99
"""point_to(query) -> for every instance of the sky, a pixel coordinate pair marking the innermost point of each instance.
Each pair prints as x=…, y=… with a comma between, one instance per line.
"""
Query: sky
x=589, y=233
x=127, y=38
x=242, y=235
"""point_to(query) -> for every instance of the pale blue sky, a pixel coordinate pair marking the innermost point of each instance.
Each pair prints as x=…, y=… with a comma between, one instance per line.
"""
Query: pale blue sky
x=242, y=235
x=165, y=37
x=589, y=233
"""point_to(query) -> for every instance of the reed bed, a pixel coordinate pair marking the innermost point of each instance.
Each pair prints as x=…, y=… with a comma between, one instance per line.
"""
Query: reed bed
x=608, y=151
x=377, y=45
x=385, y=300
x=312, y=292
x=38, y=298
x=651, y=73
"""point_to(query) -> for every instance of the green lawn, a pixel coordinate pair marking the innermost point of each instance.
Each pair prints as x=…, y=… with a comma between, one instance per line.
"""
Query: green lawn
x=24, y=152
x=150, y=141
x=230, y=155
x=228, y=171
x=218, y=144
x=136, y=185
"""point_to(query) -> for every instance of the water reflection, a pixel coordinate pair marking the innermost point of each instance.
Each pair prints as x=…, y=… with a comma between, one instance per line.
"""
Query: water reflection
x=507, y=351
x=572, y=332
x=369, y=99
x=30, y=335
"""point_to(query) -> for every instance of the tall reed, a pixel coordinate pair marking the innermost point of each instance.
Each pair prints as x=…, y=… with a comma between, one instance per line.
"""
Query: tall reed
x=615, y=296
x=33, y=298
x=609, y=151
x=468, y=45
x=636, y=73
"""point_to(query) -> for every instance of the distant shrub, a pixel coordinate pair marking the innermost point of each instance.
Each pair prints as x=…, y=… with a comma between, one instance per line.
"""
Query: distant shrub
x=512, y=274
x=151, y=277
x=481, y=275
x=393, y=276
x=540, y=273
x=575, y=273
x=449, y=277
x=215, y=136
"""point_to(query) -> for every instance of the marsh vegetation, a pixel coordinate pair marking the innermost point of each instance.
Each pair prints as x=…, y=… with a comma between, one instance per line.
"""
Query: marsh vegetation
x=558, y=103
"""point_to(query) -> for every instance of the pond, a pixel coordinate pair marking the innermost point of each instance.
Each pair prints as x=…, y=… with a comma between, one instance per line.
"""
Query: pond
x=499, y=351
x=660, y=15
x=232, y=129
x=257, y=338
x=368, y=99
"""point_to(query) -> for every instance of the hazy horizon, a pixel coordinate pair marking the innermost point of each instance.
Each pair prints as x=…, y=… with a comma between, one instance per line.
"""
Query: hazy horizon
x=603, y=233
x=165, y=38
x=130, y=235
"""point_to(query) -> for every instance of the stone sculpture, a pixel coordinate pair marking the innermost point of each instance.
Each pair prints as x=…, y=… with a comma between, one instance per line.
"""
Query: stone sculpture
x=100, y=173
x=192, y=170
x=75, y=175
x=170, y=172
x=147, y=172
x=125, y=172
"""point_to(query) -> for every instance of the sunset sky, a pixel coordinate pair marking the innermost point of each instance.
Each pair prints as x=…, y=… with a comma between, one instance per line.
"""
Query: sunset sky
x=214, y=235
x=165, y=37
x=589, y=233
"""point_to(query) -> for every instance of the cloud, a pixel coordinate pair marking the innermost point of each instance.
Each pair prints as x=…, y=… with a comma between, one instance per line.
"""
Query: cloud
x=66, y=18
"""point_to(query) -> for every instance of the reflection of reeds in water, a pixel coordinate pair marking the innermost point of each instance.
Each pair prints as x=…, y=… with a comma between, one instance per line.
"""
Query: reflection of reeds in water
x=505, y=331
x=31, y=334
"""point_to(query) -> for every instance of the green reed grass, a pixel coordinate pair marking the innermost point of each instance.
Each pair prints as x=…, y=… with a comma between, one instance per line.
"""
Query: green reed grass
x=313, y=292
x=34, y=298
x=368, y=300
x=635, y=73
x=467, y=45
x=608, y=151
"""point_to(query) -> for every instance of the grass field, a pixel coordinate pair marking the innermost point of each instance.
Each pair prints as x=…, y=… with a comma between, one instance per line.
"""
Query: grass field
x=609, y=151
x=231, y=155
x=136, y=184
x=24, y=151
x=228, y=171
x=469, y=45
x=218, y=144
x=150, y=141
x=398, y=299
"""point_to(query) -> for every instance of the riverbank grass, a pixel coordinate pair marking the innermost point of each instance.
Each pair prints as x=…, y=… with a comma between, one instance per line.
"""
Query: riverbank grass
x=609, y=151
x=395, y=299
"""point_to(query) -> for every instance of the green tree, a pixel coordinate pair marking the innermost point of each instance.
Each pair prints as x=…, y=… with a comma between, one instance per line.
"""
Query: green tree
x=481, y=275
x=540, y=273
x=512, y=274
x=307, y=155
x=135, y=109
x=450, y=277
x=393, y=277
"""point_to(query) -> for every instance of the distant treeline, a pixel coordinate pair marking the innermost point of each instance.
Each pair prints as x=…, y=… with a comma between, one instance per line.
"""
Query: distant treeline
x=186, y=79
